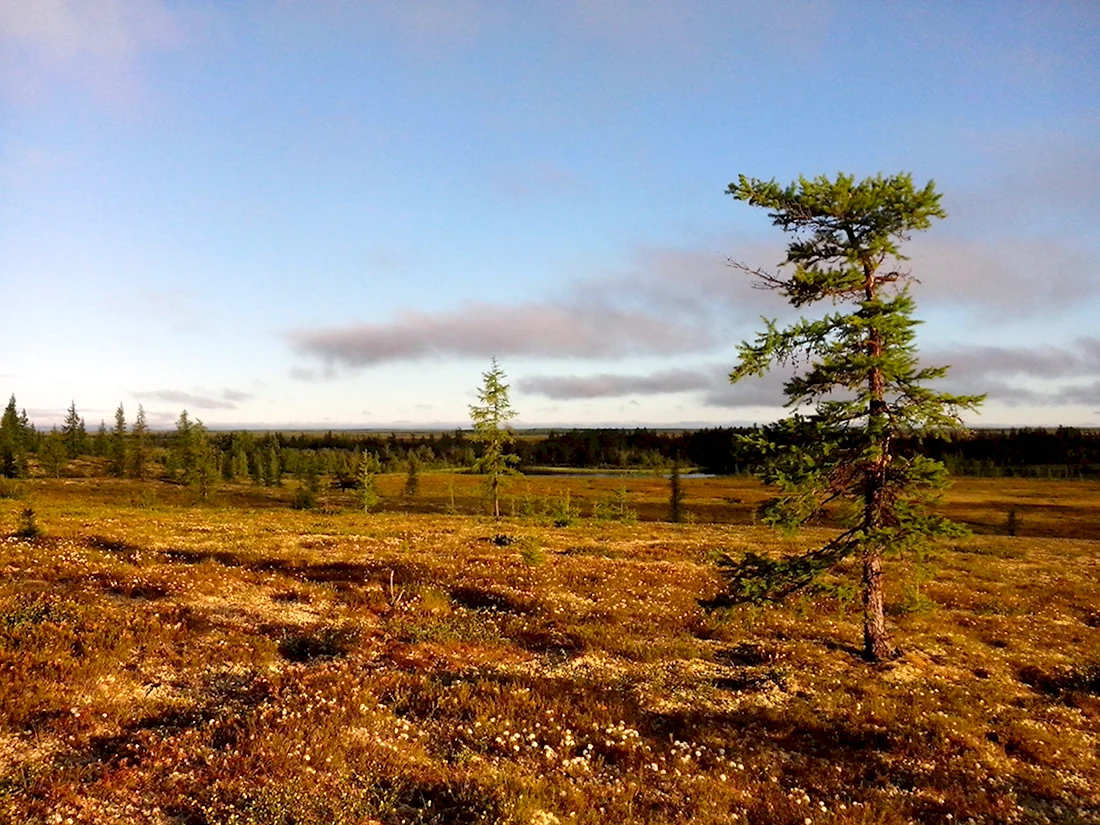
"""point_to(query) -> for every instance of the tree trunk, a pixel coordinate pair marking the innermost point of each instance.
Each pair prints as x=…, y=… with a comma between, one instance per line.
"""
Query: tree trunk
x=876, y=640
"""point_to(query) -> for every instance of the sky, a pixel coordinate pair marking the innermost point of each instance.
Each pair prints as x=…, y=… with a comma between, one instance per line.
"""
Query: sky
x=321, y=213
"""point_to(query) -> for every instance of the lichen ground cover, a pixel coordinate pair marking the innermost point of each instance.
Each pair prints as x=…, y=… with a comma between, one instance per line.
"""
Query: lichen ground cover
x=162, y=662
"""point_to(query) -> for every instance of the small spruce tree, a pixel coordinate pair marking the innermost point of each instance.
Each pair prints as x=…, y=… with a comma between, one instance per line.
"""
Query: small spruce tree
x=240, y=462
x=675, y=494
x=116, y=460
x=202, y=471
x=139, y=446
x=491, y=431
x=412, y=477
x=181, y=453
x=74, y=433
x=273, y=466
x=367, y=481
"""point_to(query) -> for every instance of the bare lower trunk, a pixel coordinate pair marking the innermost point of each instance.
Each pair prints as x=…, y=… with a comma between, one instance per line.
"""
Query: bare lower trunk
x=876, y=641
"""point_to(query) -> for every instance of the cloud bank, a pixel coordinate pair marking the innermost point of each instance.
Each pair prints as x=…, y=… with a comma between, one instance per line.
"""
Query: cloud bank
x=485, y=330
x=571, y=387
x=227, y=399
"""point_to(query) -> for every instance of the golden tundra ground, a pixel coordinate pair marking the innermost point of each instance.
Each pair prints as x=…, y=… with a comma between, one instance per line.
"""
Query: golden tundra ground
x=247, y=663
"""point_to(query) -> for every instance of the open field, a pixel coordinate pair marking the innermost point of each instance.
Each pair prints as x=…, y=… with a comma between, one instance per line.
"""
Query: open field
x=248, y=663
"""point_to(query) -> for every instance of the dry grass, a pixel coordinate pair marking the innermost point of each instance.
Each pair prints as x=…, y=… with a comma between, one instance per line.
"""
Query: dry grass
x=246, y=663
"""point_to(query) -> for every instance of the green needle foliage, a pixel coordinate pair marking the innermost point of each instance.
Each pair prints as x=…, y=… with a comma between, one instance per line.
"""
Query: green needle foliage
x=860, y=376
x=116, y=460
x=412, y=478
x=139, y=446
x=15, y=437
x=367, y=483
x=675, y=494
x=491, y=431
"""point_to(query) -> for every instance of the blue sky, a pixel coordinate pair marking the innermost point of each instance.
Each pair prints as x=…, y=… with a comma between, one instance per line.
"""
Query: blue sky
x=334, y=213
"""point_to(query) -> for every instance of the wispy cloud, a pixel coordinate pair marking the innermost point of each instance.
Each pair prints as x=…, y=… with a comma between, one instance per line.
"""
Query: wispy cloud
x=1017, y=276
x=1038, y=375
x=664, y=300
x=710, y=384
x=227, y=399
x=971, y=363
x=607, y=385
x=91, y=44
x=484, y=330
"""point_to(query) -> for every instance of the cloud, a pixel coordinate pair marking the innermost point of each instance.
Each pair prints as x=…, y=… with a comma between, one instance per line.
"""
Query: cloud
x=482, y=330
x=562, y=387
x=711, y=384
x=91, y=44
x=310, y=376
x=226, y=400
x=663, y=301
x=1014, y=376
x=1016, y=276
x=764, y=391
x=974, y=362
x=1050, y=375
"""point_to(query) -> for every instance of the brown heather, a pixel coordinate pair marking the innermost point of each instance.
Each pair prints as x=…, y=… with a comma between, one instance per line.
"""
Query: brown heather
x=248, y=663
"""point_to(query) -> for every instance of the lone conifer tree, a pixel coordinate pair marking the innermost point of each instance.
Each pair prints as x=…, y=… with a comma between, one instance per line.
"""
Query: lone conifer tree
x=491, y=430
x=863, y=380
x=74, y=433
x=139, y=454
x=675, y=493
x=412, y=478
x=116, y=464
x=366, y=481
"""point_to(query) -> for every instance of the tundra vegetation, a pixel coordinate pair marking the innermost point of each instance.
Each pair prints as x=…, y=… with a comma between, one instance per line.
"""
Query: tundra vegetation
x=166, y=661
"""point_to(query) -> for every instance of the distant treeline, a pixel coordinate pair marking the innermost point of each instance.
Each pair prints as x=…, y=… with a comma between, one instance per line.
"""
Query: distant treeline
x=1061, y=452
x=264, y=457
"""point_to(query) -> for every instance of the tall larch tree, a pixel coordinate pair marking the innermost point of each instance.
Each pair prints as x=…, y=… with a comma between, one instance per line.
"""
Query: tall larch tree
x=860, y=376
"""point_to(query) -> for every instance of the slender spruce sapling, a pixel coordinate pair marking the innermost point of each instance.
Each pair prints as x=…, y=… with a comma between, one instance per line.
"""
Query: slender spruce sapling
x=74, y=433
x=412, y=478
x=367, y=481
x=139, y=446
x=861, y=377
x=675, y=493
x=490, y=419
x=116, y=459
